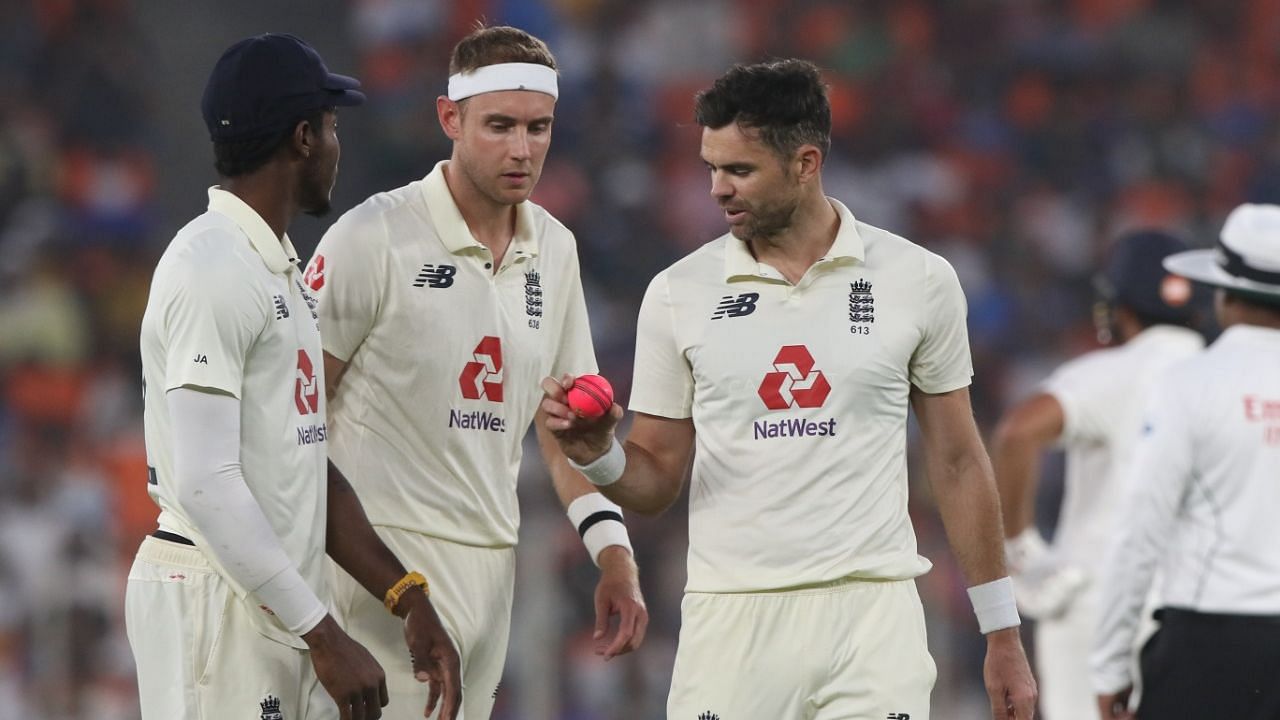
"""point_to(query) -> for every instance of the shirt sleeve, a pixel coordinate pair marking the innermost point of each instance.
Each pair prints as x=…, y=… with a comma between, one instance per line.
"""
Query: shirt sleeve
x=1087, y=400
x=663, y=381
x=575, y=353
x=212, y=317
x=1161, y=471
x=347, y=274
x=941, y=362
x=211, y=489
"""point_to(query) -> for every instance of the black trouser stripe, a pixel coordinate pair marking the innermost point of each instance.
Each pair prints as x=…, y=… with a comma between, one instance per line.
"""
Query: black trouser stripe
x=597, y=517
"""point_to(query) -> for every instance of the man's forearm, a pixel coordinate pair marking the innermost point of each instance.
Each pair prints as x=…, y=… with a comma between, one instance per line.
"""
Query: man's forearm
x=1023, y=434
x=1016, y=462
x=970, y=507
x=352, y=543
x=646, y=486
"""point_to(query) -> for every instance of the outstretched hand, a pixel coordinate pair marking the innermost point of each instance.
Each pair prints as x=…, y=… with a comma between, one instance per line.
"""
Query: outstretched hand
x=580, y=439
x=347, y=671
x=435, y=660
x=618, y=593
x=1010, y=685
x=1115, y=706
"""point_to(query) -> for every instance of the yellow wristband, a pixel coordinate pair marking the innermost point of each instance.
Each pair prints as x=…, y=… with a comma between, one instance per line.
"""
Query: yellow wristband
x=401, y=587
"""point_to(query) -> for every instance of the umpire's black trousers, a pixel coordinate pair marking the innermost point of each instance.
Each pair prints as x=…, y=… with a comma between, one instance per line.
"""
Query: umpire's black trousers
x=1202, y=666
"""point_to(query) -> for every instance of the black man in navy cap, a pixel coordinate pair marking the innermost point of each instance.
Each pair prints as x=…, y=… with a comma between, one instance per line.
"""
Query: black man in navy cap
x=227, y=606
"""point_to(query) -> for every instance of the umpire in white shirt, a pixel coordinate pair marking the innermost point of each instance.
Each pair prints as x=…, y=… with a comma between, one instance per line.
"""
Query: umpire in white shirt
x=1206, y=490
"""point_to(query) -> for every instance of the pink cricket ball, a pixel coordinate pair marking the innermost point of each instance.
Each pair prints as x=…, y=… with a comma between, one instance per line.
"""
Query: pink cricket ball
x=591, y=396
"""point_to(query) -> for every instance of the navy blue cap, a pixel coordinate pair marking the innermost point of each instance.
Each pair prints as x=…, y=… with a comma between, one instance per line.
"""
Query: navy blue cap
x=263, y=84
x=1135, y=277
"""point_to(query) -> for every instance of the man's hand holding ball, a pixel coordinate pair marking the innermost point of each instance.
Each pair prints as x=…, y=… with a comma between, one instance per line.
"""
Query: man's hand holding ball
x=580, y=412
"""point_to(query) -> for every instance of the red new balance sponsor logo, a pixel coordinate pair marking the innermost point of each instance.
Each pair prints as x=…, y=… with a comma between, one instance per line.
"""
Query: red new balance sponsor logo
x=306, y=389
x=482, y=378
x=795, y=381
x=314, y=276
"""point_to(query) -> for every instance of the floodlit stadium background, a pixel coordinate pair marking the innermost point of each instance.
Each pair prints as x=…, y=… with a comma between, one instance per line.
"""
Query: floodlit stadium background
x=1015, y=138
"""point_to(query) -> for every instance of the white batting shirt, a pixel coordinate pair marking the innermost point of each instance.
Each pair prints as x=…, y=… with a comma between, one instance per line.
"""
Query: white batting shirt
x=228, y=313
x=1204, y=498
x=1103, y=395
x=799, y=397
x=444, y=356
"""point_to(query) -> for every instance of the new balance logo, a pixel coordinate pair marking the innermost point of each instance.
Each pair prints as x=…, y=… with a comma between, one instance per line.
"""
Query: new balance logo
x=731, y=306
x=435, y=276
x=708, y=715
x=282, y=307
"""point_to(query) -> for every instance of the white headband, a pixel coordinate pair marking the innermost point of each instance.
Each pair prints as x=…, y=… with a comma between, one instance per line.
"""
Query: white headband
x=504, y=76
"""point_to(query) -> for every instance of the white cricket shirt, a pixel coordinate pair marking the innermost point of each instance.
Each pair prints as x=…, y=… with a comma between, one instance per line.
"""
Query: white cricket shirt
x=1103, y=395
x=799, y=398
x=1206, y=485
x=228, y=312
x=444, y=356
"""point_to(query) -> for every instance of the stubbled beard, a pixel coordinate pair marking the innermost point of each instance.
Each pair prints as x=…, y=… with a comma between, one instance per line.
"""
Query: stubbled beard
x=763, y=227
x=319, y=210
x=315, y=193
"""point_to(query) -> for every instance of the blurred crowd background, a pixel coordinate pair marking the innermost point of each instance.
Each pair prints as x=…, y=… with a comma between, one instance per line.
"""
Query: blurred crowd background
x=1014, y=137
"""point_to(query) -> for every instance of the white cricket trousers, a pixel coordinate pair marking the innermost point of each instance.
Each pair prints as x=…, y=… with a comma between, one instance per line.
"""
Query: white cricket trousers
x=1062, y=664
x=846, y=650
x=471, y=589
x=198, y=653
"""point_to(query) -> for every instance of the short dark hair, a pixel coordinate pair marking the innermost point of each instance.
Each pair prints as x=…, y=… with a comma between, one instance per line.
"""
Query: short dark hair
x=241, y=157
x=500, y=44
x=784, y=100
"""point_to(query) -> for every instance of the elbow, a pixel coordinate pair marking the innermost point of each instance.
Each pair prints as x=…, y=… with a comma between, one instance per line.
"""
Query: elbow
x=1010, y=434
x=1029, y=427
x=655, y=506
x=649, y=511
x=204, y=495
x=189, y=489
x=1018, y=439
x=651, y=503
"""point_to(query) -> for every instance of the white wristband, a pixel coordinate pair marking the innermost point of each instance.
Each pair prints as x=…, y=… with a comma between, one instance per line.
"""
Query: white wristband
x=606, y=469
x=994, y=605
x=599, y=524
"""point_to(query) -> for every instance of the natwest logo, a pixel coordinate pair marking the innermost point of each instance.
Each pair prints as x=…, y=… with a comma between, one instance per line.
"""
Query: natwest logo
x=306, y=391
x=482, y=378
x=314, y=276
x=794, y=382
